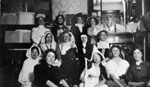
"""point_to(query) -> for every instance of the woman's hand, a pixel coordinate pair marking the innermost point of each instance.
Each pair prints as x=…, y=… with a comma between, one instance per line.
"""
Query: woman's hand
x=64, y=83
x=98, y=85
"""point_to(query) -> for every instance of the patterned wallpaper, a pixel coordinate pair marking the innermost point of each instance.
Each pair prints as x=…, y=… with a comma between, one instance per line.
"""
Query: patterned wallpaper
x=69, y=6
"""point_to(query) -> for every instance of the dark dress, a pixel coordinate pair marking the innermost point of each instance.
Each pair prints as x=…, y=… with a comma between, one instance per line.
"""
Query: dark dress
x=43, y=72
x=77, y=34
x=56, y=28
x=70, y=67
x=139, y=73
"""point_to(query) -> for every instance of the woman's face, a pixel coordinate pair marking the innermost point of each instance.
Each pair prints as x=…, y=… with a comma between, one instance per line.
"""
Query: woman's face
x=48, y=38
x=115, y=52
x=50, y=58
x=137, y=54
x=34, y=53
x=103, y=36
x=96, y=58
x=79, y=20
x=60, y=20
x=84, y=39
x=93, y=22
x=41, y=21
x=66, y=37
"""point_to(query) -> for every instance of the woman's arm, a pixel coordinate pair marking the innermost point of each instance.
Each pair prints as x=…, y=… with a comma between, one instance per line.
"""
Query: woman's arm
x=101, y=83
x=64, y=83
x=136, y=83
x=116, y=80
x=82, y=76
x=50, y=84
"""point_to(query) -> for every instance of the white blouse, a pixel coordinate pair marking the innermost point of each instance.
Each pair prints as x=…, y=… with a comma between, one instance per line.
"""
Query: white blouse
x=117, y=69
x=37, y=33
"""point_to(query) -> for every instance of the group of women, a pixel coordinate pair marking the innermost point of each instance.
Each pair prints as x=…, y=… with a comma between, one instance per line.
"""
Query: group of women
x=63, y=57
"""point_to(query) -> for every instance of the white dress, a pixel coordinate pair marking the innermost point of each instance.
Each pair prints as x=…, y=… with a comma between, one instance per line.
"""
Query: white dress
x=26, y=76
x=92, y=77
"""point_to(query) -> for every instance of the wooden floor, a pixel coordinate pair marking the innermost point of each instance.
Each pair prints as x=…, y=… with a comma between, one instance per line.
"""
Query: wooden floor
x=9, y=76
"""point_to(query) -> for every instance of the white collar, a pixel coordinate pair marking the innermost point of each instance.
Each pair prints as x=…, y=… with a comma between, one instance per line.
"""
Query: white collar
x=138, y=62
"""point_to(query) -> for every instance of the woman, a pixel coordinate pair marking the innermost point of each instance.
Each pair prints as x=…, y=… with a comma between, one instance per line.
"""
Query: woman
x=47, y=42
x=102, y=44
x=78, y=28
x=86, y=49
x=138, y=74
x=116, y=68
x=26, y=75
x=59, y=27
x=38, y=32
x=92, y=74
x=48, y=73
x=68, y=54
x=93, y=29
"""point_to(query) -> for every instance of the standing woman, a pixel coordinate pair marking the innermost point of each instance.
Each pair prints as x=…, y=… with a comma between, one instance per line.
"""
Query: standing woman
x=47, y=42
x=26, y=75
x=93, y=29
x=59, y=26
x=116, y=68
x=78, y=28
x=38, y=32
x=138, y=74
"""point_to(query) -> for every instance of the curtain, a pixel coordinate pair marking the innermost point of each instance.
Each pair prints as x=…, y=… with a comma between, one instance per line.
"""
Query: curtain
x=69, y=6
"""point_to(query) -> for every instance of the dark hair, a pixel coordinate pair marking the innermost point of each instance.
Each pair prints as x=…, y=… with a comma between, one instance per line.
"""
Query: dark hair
x=43, y=60
x=99, y=33
x=89, y=64
x=56, y=20
x=102, y=68
x=37, y=20
x=47, y=35
x=79, y=15
x=34, y=47
x=89, y=20
x=61, y=37
x=50, y=50
x=139, y=48
x=115, y=46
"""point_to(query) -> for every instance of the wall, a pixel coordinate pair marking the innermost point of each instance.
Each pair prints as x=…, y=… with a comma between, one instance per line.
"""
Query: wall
x=69, y=6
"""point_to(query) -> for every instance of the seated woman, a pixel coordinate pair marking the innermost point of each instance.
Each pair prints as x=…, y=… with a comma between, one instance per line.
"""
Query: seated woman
x=92, y=75
x=47, y=42
x=26, y=76
x=103, y=44
x=68, y=53
x=86, y=48
x=116, y=68
x=47, y=74
x=138, y=74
